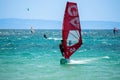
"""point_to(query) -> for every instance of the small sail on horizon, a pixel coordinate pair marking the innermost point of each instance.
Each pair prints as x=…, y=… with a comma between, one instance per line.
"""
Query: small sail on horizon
x=71, y=30
x=28, y=9
x=115, y=30
x=32, y=30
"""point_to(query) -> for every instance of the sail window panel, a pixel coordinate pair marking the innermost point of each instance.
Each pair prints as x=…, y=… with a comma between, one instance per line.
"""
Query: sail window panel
x=73, y=37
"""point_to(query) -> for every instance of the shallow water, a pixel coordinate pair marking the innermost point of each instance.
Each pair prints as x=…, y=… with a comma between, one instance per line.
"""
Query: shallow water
x=26, y=56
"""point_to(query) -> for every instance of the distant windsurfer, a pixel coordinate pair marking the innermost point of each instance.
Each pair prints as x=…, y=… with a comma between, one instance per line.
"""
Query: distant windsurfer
x=32, y=30
x=45, y=36
x=115, y=30
x=61, y=48
x=28, y=9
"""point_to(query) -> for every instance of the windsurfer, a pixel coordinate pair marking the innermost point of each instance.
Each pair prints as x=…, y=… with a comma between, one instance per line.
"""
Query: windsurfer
x=115, y=30
x=61, y=48
x=45, y=36
x=32, y=30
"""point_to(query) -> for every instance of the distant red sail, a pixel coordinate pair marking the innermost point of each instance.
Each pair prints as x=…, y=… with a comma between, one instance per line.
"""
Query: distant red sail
x=71, y=30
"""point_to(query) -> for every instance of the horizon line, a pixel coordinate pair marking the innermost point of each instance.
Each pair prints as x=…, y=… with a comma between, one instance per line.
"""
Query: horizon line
x=58, y=20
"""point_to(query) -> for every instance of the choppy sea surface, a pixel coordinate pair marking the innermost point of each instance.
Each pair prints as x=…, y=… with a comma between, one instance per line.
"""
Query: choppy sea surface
x=26, y=56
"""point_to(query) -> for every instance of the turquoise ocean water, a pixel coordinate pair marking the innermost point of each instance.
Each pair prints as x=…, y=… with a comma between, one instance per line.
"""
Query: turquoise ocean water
x=26, y=56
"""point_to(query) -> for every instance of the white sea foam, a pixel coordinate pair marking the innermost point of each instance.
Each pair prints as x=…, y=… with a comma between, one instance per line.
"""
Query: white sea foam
x=78, y=62
x=106, y=57
x=25, y=37
x=50, y=38
x=83, y=50
x=55, y=51
x=86, y=61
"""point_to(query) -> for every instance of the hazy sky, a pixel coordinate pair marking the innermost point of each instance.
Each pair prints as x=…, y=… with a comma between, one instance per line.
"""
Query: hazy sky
x=100, y=10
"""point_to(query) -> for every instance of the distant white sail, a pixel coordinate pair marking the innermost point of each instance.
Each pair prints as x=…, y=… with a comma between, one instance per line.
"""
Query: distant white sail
x=32, y=30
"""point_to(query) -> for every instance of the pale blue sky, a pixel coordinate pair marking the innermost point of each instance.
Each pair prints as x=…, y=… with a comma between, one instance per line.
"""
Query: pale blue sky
x=92, y=10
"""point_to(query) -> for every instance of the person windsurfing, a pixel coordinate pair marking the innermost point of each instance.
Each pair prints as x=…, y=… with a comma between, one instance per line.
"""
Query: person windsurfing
x=115, y=30
x=61, y=47
x=45, y=36
x=32, y=30
x=71, y=31
x=28, y=9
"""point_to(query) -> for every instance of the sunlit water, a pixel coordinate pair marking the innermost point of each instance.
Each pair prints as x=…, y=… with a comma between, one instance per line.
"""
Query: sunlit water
x=26, y=56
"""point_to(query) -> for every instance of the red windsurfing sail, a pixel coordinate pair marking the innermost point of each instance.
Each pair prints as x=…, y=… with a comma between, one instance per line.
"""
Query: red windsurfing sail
x=71, y=30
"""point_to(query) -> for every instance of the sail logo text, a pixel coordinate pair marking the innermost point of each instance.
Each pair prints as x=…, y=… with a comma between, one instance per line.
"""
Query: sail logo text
x=72, y=50
x=72, y=11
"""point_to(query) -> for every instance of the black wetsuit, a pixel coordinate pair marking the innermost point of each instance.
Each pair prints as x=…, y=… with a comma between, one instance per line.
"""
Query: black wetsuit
x=61, y=49
x=45, y=36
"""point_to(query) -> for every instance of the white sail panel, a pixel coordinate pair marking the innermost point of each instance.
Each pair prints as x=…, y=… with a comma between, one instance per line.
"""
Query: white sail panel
x=73, y=37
